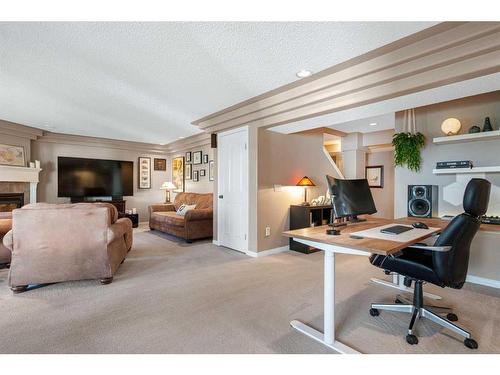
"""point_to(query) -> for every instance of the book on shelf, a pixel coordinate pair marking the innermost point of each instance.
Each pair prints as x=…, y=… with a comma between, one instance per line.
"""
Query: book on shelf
x=454, y=164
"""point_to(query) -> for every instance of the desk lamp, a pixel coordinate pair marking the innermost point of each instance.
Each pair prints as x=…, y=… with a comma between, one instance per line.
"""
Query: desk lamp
x=305, y=182
x=168, y=186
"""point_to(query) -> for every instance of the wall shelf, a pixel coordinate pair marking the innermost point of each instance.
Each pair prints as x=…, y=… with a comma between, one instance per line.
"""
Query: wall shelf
x=483, y=136
x=467, y=170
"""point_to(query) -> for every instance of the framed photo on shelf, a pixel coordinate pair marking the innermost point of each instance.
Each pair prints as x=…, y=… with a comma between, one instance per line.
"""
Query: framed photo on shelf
x=188, y=157
x=205, y=158
x=160, y=164
x=188, y=172
x=375, y=176
x=144, y=173
x=202, y=173
x=178, y=172
x=12, y=155
x=197, y=157
x=196, y=177
x=211, y=170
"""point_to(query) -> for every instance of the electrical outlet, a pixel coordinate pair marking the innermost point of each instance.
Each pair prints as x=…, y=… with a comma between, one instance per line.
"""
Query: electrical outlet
x=268, y=231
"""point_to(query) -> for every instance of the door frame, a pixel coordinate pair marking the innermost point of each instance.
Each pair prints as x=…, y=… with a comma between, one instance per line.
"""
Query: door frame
x=245, y=130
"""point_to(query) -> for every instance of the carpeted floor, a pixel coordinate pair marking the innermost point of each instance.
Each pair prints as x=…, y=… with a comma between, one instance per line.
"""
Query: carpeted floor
x=171, y=297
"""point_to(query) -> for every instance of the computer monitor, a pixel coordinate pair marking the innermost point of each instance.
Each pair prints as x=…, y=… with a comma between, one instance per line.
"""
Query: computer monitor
x=351, y=197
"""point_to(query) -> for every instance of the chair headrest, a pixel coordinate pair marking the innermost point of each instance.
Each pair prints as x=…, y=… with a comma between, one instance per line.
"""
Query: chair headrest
x=477, y=196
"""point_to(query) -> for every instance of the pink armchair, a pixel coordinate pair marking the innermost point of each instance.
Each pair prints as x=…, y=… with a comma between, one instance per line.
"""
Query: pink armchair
x=54, y=243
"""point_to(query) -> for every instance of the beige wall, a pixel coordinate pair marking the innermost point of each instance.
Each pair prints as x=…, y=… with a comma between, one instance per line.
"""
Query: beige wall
x=203, y=185
x=284, y=159
x=47, y=153
x=383, y=197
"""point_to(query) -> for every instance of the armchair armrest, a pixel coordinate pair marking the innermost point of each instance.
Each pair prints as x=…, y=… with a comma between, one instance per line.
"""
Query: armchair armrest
x=161, y=207
x=441, y=249
x=8, y=240
x=199, y=214
x=121, y=228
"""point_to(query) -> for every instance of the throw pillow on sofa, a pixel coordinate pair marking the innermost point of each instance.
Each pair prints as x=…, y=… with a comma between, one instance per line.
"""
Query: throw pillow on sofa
x=185, y=208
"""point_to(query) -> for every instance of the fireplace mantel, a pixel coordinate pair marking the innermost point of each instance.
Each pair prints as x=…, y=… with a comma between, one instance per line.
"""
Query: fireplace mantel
x=21, y=174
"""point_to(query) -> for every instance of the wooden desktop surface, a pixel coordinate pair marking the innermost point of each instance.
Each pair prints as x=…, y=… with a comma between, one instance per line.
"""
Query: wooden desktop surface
x=372, y=245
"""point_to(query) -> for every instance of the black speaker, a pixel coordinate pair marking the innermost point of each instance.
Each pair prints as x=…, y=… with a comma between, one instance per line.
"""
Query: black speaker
x=422, y=200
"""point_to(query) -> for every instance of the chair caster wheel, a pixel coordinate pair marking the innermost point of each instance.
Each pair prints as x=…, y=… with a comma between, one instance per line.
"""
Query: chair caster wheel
x=452, y=317
x=471, y=343
x=374, y=312
x=397, y=301
x=412, y=339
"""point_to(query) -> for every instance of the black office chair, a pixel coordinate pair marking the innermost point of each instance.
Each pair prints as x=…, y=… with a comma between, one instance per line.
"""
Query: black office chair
x=444, y=264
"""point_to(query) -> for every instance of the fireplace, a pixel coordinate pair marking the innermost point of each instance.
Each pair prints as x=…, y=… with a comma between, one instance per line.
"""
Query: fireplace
x=11, y=201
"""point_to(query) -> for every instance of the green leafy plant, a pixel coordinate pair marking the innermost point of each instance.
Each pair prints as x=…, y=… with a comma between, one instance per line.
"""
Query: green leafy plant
x=407, y=150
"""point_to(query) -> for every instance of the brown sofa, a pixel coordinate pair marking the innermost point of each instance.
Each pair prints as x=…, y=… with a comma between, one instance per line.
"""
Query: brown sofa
x=53, y=243
x=5, y=226
x=196, y=224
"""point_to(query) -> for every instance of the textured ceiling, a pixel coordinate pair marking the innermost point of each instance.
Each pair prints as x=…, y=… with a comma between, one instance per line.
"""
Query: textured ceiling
x=147, y=81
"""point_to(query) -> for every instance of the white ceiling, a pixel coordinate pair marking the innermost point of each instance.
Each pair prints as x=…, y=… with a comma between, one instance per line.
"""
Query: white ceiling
x=147, y=81
x=364, y=125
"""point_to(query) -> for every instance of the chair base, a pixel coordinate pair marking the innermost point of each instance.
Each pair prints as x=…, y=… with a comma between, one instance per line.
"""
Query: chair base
x=418, y=310
x=106, y=281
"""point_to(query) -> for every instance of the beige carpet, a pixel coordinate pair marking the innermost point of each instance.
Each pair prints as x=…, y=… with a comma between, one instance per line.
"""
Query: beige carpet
x=170, y=297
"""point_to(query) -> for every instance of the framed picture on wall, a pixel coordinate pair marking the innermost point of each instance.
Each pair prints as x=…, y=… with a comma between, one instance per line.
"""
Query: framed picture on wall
x=202, y=173
x=211, y=170
x=197, y=157
x=160, y=164
x=205, y=159
x=144, y=173
x=375, y=176
x=188, y=157
x=178, y=172
x=196, y=177
x=12, y=155
x=188, y=172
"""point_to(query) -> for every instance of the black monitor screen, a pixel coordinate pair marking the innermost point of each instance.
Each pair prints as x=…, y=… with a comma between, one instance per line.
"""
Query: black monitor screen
x=351, y=197
x=79, y=177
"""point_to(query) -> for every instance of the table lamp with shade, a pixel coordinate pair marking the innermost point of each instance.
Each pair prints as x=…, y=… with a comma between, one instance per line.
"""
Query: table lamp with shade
x=168, y=187
x=305, y=182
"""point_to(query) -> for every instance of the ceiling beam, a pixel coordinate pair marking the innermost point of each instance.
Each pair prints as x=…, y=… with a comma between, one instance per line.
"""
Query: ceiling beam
x=446, y=53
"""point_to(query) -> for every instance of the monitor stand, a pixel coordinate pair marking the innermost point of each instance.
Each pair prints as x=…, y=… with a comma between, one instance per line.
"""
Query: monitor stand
x=356, y=219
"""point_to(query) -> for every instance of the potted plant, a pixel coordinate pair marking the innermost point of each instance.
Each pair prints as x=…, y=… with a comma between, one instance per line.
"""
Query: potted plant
x=407, y=145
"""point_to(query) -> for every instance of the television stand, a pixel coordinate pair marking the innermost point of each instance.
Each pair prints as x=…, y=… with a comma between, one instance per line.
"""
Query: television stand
x=117, y=202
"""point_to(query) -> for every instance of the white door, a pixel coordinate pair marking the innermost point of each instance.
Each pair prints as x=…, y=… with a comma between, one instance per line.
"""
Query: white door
x=232, y=172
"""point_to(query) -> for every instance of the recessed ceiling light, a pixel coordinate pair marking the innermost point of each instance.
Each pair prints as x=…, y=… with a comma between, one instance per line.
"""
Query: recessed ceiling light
x=162, y=144
x=373, y=124
x=303, y=73
x=182, y=137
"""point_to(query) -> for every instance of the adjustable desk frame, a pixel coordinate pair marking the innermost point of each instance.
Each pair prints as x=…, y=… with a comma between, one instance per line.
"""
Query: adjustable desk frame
x=332, y=245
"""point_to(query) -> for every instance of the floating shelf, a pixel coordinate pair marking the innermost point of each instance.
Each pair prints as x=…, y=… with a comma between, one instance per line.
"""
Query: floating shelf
x=483, y=136
x=467, y=170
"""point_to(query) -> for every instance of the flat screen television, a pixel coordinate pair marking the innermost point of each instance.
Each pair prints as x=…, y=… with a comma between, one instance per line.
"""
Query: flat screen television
x=80, y=177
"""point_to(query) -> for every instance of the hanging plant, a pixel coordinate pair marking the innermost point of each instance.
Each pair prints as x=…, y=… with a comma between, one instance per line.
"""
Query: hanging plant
x=407, y=150
x=407, y=145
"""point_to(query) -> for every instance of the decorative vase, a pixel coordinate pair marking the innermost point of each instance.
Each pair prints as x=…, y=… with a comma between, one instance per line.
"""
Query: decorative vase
x=474, y=129
x=487, y=125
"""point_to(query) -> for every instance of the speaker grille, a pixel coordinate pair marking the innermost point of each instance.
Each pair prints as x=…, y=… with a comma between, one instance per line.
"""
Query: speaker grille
x=420, y=207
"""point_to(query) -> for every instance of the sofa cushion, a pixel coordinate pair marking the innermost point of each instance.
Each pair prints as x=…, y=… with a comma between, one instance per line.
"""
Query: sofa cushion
x=113, y=212
x=200, y=200
x=170, y=218
x=185, y=208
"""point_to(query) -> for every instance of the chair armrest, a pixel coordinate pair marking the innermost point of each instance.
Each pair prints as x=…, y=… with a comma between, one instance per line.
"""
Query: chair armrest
x=8, y=240
x=199, y=214
x=441, y=249
x=161, y=207
x=121, y=228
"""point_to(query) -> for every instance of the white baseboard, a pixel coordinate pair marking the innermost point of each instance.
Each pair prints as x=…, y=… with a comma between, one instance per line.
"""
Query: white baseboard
x=215, y=242
x=483, y=281
x=264, y=253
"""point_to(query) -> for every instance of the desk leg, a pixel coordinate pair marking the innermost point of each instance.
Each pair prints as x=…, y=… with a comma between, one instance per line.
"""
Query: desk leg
x=328, y=338
x=397, y=283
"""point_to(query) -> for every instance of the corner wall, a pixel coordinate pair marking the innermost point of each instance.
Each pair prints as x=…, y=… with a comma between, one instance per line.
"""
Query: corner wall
x=284, y=159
